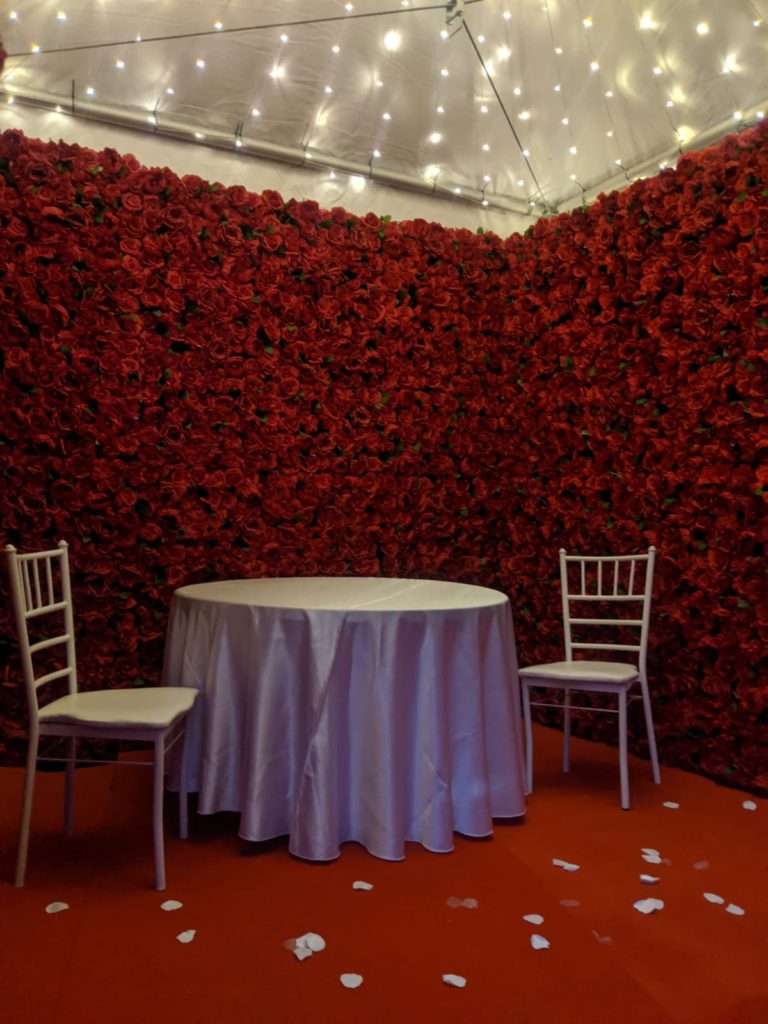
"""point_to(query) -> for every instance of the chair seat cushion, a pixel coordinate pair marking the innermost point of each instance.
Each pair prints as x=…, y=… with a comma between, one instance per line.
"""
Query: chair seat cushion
x=152, y=707
x=582, y=672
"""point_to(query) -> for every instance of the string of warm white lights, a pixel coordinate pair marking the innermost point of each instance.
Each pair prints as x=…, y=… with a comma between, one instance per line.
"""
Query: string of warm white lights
x=565, y=120
x=525, y=153
x=220, y=30
x=660, y=69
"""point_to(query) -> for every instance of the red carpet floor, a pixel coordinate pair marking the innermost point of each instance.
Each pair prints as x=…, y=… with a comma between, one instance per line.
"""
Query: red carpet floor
x=113, y=956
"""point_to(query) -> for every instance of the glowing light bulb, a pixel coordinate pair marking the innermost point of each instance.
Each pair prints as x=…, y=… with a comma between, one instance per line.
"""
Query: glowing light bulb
x=559, y=50
x=255, y=112
x=328, y=90
x=120, y=64
x=483, y=108
x=199, y=135
x=610, y=133
x=573, y=151
x=392, y=41
x=444, y=72
x=218, y=26
x=486, y=178
x=647, y=24
x=435, y=137
x=564, y=120
x=558, y=88
x=520, y=182
x=14, y=15
x=90, y=91
x=200, y=63
x=657, y=70
x=503, y=53
x=386, y=116
x=486, y=148
x=481, y=39
x=440, y=110
x=702, y=28
x=349, y=7
x=484, y=202
x=587, y=22
x=169, y=91
x=730, y=64
x=609, y=94
x=432, y=172
x=376, y=154
x=517, y=91
x=335, y=49
x=152, y=119
x=457, y=191
x=594, y=66
x=35, y=48
x=524, y=115
x=62, y=16
x=238, y=143
x=444, y=33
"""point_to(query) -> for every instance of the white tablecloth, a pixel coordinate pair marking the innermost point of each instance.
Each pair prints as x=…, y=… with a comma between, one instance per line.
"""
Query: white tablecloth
x=335, y=709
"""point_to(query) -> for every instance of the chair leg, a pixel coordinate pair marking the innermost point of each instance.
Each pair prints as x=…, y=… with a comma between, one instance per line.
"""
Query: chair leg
x=69, y=785
x=528, y=738
x=651, y=738
x=567, y=731
x=26, y=811
x=183, y=799
x=157, y=812
x=623, y=765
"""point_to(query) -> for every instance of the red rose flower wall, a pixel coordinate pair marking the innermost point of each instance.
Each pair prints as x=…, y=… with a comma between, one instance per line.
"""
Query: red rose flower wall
x=202, y=382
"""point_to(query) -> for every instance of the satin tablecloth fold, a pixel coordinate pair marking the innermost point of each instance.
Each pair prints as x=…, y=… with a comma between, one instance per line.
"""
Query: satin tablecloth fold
x=336, y=709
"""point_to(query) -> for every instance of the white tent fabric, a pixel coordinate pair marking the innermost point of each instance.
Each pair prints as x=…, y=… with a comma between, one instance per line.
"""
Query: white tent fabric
x=528, y=106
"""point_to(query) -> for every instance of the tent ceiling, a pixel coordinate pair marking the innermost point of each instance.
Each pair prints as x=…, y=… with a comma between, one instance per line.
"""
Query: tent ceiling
x=518, y=101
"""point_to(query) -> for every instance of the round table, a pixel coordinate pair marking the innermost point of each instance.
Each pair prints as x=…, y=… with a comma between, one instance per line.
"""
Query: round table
x=349, y=708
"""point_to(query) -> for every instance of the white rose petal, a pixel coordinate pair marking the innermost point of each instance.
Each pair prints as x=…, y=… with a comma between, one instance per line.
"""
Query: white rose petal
x=732, y=908
x=56, y=908
x=671, y=804
x=362, y=885
x=302, y=953
x=701, y=865
x=186, y=936
x=649, y=850
x=171, y=905
x=564, y=864
x=351, y=980
x=533, y=918
x=712, y=897
x=455, y=979
x=648, y=879
x=605, y=939
x=539, y=942
x=311, y=940
x=652, y=858
x=749, y=805
x=648, y=906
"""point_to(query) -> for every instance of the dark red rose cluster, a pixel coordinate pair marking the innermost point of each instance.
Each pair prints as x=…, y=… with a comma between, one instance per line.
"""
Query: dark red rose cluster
x=202, y=382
